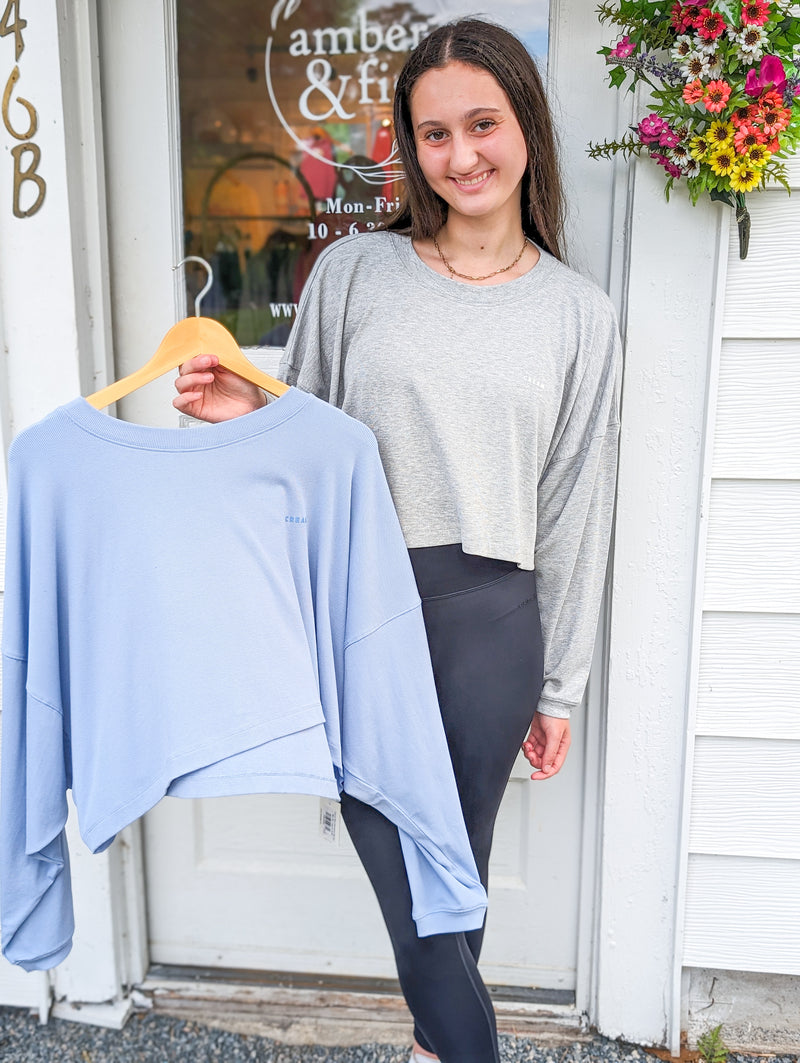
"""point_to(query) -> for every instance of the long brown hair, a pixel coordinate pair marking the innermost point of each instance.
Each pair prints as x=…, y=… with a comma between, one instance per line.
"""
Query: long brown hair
x=489, y=47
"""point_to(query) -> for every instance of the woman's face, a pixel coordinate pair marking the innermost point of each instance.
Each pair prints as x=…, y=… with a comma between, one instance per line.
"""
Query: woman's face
x=469, y=143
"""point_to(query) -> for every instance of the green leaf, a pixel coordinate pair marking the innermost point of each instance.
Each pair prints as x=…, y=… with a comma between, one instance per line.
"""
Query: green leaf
x=618, y=75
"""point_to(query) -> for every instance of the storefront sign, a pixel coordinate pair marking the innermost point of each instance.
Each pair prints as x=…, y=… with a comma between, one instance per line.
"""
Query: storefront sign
x=26, y=155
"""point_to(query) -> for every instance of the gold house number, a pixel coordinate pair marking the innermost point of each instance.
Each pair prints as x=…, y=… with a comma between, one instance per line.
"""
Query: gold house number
x=12, y=22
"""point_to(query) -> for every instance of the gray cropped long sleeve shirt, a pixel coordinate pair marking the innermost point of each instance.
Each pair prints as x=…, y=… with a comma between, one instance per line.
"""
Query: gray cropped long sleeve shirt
x=496, y=414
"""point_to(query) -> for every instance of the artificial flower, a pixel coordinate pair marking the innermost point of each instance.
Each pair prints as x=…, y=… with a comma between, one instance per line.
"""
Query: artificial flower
x=699, y=147
x=744, y=177
x=747, y=136
x=693, y=91
x=683, y=46
x=713, y=64
x=679, y=154
x=709, y=24
x=771, y=72
x=651, y=128
x=684, y=15
x=774, y=120
x=622, y=50
x=750, y=43
x=722, y=160
x=716, y=96
x=720, y=132
x=758, y=155
x=694, y=65
x=744, y=114
x=669, y=166
x=755, y=12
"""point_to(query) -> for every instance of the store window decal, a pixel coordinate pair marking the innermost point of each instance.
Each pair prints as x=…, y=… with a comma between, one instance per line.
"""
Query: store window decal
x=286, y=136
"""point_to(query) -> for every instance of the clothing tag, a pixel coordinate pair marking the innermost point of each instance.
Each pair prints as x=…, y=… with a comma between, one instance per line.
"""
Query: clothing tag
x=329, y=820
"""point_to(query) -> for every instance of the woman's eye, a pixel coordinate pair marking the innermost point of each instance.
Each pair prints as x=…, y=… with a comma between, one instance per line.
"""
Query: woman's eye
x=484, y=125
x=435, y=135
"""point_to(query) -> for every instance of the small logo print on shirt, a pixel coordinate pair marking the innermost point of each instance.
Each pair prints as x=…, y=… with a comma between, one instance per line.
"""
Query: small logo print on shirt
x=295, y=520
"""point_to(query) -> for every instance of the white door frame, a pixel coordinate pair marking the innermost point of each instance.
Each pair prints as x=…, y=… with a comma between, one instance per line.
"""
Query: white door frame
x=662, y=259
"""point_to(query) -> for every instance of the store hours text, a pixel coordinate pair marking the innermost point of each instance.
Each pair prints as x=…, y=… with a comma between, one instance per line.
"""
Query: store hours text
x=320, y=230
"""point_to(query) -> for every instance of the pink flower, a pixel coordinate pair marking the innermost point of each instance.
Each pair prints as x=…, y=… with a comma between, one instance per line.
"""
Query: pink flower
x=651, y=128
x=668, y=138
x=684, y=15
x=670, y=167
x=709, y=24
x=716, y=96
x=693, y=92
x=755, y=12
x=770, y=73
x=623, y=49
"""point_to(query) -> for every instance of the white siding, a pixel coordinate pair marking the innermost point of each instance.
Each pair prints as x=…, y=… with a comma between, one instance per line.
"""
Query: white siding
x=742, y=914
x=758, y=406
x=743, y=875
x=749, y=676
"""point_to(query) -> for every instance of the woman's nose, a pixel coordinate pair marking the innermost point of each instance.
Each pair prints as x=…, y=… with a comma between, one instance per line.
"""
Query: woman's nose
x=463, y=155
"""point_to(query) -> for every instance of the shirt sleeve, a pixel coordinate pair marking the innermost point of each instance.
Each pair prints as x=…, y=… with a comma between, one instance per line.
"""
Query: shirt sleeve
x=315, y=354
x=394, y=750
x=575, y=501
x=35, y=895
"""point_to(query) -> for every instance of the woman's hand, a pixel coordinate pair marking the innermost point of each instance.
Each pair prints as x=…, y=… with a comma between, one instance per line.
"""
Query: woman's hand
x=210, y=392
x=547, y=744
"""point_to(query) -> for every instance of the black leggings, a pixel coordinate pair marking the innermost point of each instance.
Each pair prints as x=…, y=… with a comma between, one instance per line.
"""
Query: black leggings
x=482, y=620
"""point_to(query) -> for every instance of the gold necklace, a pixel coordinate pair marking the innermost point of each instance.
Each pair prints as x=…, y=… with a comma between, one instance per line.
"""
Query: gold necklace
x=466, y=277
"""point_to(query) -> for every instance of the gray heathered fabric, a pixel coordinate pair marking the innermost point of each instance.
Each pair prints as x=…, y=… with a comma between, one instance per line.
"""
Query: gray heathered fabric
x=496, y=414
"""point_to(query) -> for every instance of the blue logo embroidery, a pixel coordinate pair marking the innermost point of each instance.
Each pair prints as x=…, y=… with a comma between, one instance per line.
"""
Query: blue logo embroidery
x=295, y=520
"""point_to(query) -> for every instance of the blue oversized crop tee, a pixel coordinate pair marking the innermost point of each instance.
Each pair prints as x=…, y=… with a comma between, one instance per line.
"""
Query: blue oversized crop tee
x=225, y=609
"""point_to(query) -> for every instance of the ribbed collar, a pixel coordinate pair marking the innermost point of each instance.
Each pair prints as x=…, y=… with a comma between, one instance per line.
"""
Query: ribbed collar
x=201, y=437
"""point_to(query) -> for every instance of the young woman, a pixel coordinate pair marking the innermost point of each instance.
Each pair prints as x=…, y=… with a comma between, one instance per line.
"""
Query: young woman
x=487, y=370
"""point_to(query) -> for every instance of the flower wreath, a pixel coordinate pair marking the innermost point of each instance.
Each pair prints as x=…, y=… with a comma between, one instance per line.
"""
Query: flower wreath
x=724, y=92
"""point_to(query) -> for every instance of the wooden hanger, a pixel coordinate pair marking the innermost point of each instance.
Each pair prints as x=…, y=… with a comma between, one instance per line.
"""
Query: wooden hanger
x=192, y=336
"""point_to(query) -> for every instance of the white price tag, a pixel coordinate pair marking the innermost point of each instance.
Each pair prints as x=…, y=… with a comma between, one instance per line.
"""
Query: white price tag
x=329, y=819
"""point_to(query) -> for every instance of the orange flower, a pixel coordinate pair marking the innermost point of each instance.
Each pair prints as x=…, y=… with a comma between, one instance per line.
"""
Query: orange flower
x=693, y=92
x=770, y=99
x=716, y=96
x=744, y=114
x=774, y=120
x=746, y=137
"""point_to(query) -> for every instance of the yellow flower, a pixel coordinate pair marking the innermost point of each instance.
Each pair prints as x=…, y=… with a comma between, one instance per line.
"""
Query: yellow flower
x=698, y=146
x=744, y=177
x=722, y=160
x=757, y=155
x=720, y=133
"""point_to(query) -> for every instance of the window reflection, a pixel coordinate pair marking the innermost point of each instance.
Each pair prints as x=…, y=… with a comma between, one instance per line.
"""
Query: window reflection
x=286, y=136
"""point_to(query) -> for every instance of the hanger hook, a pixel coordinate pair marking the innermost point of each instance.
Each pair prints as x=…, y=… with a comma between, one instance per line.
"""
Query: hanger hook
x=203, y=291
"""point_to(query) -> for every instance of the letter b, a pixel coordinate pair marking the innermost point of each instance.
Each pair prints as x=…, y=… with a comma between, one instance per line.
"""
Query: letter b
x=368, y=33
x=21, y=176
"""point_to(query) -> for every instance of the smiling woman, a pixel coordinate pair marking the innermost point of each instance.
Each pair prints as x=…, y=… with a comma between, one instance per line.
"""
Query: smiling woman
x=504, y=496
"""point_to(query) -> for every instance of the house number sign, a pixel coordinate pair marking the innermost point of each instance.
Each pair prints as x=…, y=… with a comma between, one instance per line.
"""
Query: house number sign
x=26, y=155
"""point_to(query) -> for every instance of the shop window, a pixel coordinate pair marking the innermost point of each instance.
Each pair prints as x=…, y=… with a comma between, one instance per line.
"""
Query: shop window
x=286, y=136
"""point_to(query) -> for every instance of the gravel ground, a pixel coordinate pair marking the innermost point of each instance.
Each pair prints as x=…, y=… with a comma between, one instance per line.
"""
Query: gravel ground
x=152, y=1038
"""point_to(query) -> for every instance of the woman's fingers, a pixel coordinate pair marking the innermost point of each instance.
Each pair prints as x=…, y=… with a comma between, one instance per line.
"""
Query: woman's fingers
x=198, y=363
x=193, y=381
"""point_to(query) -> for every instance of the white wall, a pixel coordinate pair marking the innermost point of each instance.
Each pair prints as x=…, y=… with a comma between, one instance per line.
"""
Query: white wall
x=743, y=865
